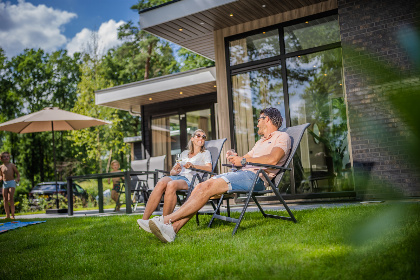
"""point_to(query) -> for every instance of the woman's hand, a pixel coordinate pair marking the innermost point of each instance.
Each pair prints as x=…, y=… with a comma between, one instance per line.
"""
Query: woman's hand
x=189, y=165
x=176, y=169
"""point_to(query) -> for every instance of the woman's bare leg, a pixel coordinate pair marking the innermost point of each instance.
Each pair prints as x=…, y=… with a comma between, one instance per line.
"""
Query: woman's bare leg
x=155, y=197
x=170, y=195
x=199, y=197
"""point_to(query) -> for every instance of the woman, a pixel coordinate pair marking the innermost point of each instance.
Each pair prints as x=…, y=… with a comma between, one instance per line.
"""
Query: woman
x=196, y=156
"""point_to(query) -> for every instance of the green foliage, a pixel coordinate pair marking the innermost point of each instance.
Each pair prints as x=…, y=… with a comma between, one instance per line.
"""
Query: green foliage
x=319, y=246
x=144, y=4
x=191, y=60
x=141, y=56
x=29, y=82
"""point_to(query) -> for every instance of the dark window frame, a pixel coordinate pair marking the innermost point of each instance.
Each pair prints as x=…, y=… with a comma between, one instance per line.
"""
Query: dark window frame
x=279, y=60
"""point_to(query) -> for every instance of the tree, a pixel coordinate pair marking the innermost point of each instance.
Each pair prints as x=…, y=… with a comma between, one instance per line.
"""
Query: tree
x=31, y=81
x=93, y=145
x=140, y=57
x=191, y=60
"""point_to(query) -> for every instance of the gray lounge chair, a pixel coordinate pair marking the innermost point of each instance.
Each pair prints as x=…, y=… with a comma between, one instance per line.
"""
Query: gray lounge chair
x=295, y=133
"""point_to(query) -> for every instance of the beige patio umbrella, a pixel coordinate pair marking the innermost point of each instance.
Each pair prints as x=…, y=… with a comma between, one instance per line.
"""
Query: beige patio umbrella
x=50, y=119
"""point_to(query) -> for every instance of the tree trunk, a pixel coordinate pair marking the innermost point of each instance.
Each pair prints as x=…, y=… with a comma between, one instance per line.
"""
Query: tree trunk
x=147, y=66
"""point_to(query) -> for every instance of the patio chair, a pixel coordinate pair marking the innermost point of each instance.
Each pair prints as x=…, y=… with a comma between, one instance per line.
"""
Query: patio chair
x=295, y=133
x=139, y=186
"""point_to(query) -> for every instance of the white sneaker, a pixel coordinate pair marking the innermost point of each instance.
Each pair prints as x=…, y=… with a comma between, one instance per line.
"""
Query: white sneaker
x=144, y=224
x=165, y=232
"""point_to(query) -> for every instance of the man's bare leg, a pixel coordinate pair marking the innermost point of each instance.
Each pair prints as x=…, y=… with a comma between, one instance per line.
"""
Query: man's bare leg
x=170, y=195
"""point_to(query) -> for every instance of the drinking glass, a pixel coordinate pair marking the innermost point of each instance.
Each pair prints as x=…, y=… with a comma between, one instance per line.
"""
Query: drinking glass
x=232, y=152
x=178, y=158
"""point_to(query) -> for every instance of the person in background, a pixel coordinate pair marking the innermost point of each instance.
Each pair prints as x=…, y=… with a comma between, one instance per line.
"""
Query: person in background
x=8, y=171
x=116, y=184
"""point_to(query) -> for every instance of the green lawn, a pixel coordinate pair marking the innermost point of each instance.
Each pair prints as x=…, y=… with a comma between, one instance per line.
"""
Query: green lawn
x=355, y=242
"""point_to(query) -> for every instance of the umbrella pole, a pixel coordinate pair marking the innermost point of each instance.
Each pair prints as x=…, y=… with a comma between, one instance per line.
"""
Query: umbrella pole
x=55, y=171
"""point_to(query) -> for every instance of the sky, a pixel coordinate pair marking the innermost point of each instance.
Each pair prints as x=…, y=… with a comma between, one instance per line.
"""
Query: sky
x=61, y=24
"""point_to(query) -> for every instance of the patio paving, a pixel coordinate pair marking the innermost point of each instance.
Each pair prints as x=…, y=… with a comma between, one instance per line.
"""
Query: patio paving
x=206, y=208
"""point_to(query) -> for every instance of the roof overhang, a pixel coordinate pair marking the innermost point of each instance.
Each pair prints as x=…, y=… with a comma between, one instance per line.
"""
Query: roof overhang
x=131, y=97
x=191, y=23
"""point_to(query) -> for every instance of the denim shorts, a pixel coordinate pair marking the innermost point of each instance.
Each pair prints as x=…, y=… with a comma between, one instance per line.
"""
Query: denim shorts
x=241, y=180
x=9, y=184
x=177, y=177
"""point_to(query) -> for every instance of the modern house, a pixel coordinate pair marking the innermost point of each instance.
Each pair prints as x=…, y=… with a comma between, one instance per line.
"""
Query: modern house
x=289, y=54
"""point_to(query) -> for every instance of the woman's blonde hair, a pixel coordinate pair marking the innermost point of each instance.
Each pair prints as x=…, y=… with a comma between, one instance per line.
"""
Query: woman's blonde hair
x=190, y=145
x=115, y=161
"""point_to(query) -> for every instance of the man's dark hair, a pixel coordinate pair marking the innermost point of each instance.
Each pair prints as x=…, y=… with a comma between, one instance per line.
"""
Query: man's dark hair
x=274, y=115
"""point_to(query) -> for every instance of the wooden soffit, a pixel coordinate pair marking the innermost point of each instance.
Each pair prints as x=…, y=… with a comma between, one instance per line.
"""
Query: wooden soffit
x=131, y=97
x=191, y=23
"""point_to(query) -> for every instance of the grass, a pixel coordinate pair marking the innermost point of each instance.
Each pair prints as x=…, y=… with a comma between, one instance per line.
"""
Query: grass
x=354, y=242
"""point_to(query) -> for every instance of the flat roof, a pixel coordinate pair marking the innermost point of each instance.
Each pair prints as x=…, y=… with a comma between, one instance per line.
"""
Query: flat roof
x=131, y=97
x=191, y=23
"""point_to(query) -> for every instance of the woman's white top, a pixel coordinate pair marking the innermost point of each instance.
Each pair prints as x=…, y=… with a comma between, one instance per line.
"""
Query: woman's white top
x=199, y=159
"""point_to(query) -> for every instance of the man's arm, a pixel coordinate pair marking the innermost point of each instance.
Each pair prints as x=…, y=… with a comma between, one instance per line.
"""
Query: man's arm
x=1, y=174
x=272, y=158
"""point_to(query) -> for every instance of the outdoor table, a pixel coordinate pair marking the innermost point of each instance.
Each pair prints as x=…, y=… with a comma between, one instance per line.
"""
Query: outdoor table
x=127, y=179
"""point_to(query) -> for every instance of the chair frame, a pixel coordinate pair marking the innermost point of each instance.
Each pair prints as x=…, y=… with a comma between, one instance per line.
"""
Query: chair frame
x=274, y=187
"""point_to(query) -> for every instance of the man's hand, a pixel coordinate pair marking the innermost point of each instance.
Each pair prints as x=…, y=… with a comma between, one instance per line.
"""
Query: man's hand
x=235, y=160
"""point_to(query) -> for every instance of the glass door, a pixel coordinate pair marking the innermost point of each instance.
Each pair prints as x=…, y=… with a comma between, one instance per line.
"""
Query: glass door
x=170, y=134
x=166, y=138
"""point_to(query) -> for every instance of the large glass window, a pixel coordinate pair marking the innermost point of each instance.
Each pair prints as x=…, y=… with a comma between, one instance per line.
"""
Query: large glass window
x=199, y=119
x=312, y=93
x=253, y=91
x=311, y=33
x=167, y=132
x=317, y=97
x=262, y=45
x=166, y=138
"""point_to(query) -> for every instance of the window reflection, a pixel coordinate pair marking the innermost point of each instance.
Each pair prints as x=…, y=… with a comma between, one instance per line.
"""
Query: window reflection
x=253, y=91
x=316, y=96
x=199, y=120
x=255, y=47
x=166, y=138
x=310, y=34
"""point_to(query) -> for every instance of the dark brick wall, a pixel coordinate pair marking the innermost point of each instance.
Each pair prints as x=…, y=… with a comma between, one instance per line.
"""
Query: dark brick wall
x=372, y=28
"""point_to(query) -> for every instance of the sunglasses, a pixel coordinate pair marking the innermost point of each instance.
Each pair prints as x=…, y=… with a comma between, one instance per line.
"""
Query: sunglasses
x=261, y=118
x=200, y=136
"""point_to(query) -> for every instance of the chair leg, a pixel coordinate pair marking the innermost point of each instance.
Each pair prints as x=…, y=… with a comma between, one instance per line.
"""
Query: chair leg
x=280, y=198
x=216, y=210
x=196, y=219
x=228, y=207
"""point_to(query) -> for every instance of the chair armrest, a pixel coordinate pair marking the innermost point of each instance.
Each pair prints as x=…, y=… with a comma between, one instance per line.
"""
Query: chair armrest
x=230, y=165
x=163, y=171
x=268, y=166
x=202, y=171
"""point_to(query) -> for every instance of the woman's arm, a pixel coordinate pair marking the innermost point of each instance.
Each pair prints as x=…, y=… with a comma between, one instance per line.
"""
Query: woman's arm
x=206, y=167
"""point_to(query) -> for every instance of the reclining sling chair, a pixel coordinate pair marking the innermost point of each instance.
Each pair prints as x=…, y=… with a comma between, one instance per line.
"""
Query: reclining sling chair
x=295, y=133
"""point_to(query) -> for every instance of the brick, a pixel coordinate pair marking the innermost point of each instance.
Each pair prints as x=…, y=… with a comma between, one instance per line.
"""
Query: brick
x=372, y=28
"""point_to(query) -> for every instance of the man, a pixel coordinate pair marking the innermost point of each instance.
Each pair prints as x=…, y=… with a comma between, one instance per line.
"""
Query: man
x=273, y=148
